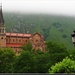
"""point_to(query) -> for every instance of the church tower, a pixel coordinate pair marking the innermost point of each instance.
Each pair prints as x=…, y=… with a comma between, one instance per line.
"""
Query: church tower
x=2, y=29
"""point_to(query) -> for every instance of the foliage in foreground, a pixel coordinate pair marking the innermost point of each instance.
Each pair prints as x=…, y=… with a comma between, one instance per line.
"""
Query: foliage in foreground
x=66, y=66
x=57, y=52
x=24, y=63
x=31, y=61
x=7, y=57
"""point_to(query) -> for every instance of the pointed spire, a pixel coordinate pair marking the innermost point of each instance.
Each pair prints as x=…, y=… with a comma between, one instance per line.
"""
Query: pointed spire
x=1, y=15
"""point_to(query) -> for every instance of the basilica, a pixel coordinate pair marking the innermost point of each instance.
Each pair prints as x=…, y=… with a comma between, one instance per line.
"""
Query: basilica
x=16, y=40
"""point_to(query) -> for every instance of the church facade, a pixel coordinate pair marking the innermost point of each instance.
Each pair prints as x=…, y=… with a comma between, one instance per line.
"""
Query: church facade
x=16, y=40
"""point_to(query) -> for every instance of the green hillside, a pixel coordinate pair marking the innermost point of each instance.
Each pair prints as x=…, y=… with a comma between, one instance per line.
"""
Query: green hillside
x=54, y=28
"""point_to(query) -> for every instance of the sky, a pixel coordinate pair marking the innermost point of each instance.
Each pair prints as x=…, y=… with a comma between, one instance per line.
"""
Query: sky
x=59, y=7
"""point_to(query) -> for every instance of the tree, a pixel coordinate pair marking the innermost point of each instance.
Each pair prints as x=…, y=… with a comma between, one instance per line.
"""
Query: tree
x=42, y=62
x=7, y=57
x=24, y=63
x=65, y=66
x=38, y=61
x=27, y=47
x=72, y=54
x=57, y=52
x=31, y=62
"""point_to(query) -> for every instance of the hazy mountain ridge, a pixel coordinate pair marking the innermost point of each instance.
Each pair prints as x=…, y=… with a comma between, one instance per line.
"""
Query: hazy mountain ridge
x=55, y=28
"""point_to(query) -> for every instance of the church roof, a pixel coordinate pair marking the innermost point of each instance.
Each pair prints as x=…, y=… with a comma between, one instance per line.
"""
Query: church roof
x=18, y=34
x=38, y=34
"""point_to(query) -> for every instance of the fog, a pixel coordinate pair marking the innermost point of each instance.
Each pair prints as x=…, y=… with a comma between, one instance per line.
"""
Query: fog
x=59, y=7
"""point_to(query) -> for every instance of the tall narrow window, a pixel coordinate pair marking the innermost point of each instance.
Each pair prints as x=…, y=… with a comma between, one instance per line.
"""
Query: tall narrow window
x=19, y=40
x=36, y=40
x=6, y=40
x=0, y=30
x=13, y=40
x=26, y=40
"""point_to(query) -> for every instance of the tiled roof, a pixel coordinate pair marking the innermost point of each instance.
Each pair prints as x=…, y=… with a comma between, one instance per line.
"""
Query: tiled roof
x=38, y=34
x=18, y=34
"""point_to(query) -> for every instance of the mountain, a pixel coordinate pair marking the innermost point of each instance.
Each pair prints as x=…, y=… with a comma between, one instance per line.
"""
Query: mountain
x=52, y=27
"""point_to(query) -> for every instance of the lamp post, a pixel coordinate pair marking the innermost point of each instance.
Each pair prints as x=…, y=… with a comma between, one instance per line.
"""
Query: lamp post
x=73, y=37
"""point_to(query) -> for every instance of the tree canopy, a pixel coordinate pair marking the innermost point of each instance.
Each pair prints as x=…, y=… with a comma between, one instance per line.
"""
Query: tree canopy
x=36, y=61
x=7, y=57
x=65, y=66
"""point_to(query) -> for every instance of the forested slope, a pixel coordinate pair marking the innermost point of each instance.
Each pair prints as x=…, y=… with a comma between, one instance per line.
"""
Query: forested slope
x=52, y=27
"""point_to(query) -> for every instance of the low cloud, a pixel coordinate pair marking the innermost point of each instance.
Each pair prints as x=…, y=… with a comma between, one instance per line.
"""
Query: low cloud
x=48, y=7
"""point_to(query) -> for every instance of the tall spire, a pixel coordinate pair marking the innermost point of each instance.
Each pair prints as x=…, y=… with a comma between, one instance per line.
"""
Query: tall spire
x=1, y=15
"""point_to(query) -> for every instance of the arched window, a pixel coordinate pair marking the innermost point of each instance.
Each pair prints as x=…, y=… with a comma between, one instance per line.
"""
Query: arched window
x=26, y=40
x=0, y=30
x=13, y=40
x=19, y=40
x=36, y=40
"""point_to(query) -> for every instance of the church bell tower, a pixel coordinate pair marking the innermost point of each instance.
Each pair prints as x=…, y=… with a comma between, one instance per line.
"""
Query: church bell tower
x=2, y=29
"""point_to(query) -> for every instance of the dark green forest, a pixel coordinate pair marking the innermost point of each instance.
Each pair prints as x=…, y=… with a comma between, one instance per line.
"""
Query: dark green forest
x=52, y=27
x=56, y=59
x=60, y=52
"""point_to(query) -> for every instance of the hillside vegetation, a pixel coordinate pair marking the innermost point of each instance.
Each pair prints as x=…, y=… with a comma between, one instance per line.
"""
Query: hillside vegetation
x=54, y=28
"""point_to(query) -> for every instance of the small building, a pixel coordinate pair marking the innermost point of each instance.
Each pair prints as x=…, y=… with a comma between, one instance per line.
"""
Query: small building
x=16, y=40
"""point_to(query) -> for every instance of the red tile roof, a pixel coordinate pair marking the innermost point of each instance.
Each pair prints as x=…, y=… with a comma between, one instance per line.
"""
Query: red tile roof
x=18, y=34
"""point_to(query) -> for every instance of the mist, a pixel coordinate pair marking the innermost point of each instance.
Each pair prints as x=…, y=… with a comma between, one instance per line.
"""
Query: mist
x=57, y=7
